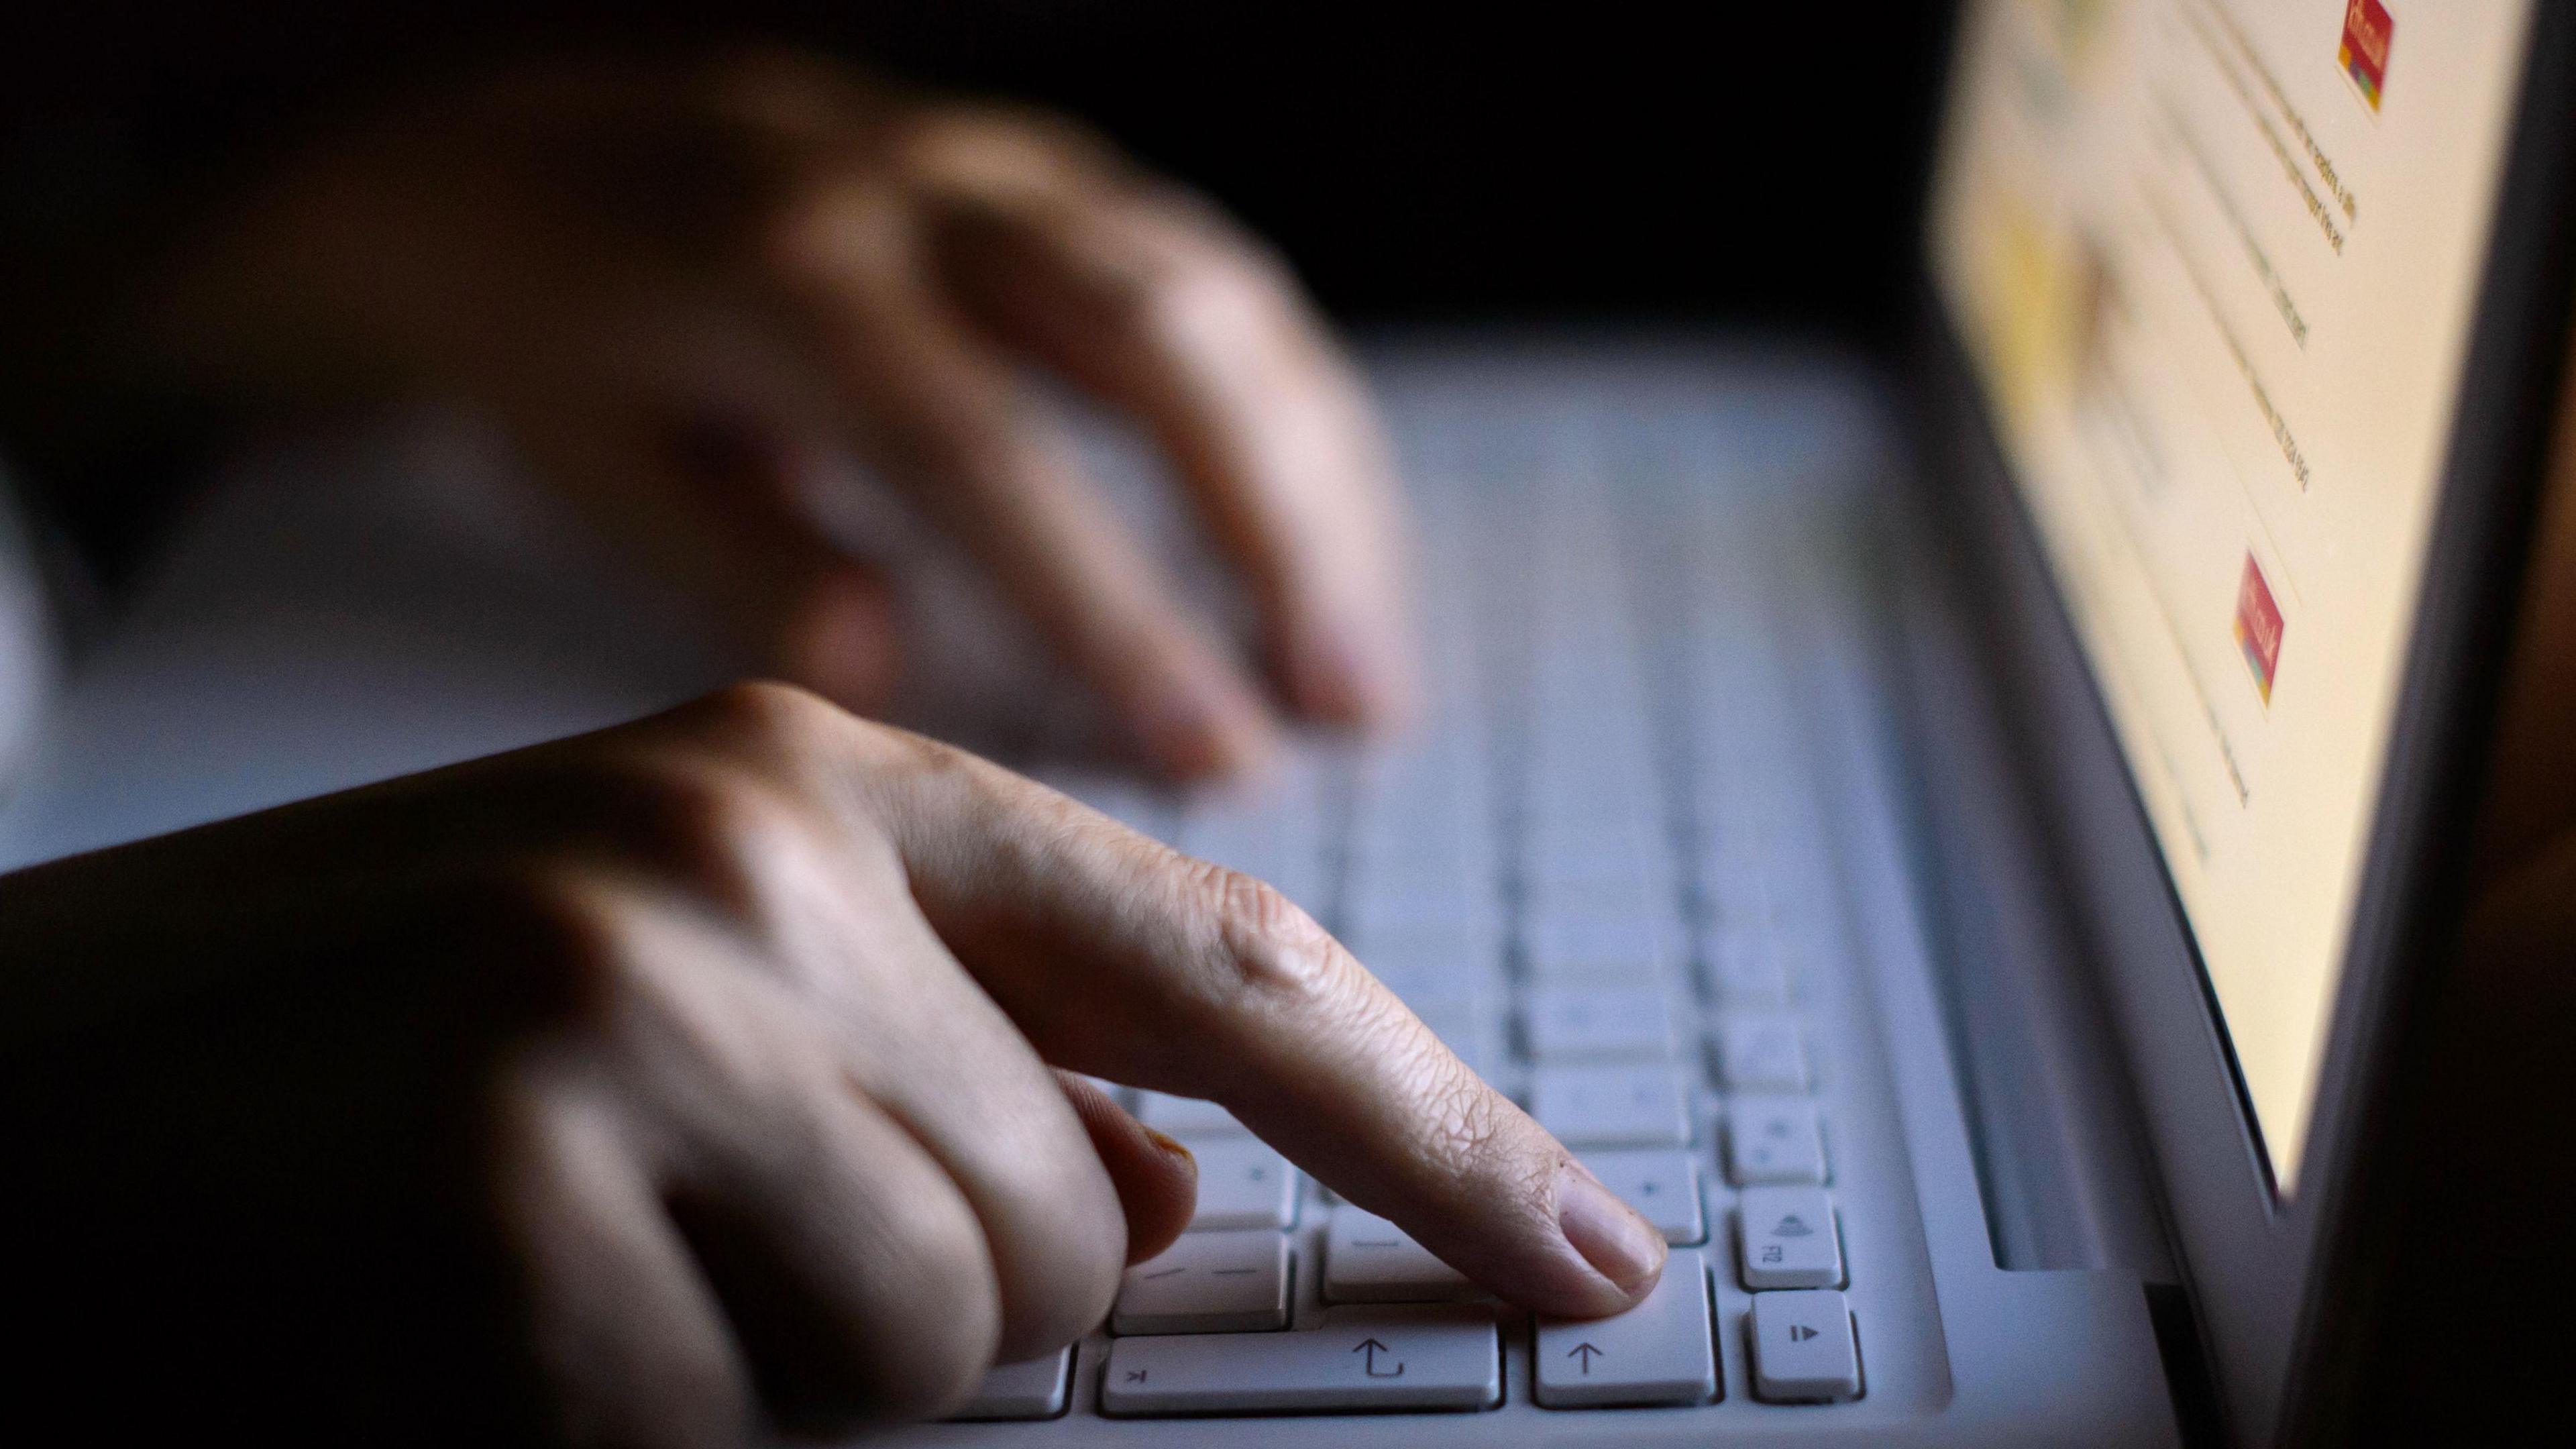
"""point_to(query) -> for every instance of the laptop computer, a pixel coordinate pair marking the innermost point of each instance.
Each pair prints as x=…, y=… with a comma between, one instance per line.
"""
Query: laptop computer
x=1954, y=844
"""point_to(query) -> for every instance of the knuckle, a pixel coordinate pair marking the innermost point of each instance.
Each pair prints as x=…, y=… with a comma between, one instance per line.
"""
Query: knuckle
x=974, y=142
x=571, y=935
x=1204, y=288
x=723, y=832
x=773, y=720
x=1263, y=945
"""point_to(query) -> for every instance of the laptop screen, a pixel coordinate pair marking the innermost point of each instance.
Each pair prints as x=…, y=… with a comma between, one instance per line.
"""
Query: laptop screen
x=2215, y=261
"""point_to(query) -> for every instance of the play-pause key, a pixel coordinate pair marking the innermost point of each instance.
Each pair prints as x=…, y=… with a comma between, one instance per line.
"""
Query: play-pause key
x=1804, y=1350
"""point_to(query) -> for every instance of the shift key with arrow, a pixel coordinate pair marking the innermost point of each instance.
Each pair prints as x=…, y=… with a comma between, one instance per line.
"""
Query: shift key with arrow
x=1659, y=1352
x=1356, y=1359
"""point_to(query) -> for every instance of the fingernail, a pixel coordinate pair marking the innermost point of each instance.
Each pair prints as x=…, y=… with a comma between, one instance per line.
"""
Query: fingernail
x=1171, y=1146
x=1607, y=1232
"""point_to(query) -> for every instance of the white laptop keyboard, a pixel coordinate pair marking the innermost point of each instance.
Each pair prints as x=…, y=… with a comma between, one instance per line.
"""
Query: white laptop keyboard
x=1596, y=877
x=1642, y=869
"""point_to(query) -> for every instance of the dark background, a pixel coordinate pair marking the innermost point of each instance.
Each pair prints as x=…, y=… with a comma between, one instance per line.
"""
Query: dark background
x=1748, y=162
x=1752, y=162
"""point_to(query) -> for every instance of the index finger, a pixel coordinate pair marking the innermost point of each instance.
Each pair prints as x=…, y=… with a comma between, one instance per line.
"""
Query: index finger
x=1123, y=958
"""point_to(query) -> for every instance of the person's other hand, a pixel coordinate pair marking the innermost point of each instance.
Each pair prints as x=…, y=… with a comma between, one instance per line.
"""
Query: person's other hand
x=684, y=286
x=683, y=1080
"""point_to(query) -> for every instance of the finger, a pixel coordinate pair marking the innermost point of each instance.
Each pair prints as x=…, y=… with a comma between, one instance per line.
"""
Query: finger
x=1161, y=308
x=944, y=420
x=1198, y=980
x=927, y=1046
x=711, y=505
x=844, y=964
x=819, y=1221
x=1157, y=1177
x=626, y=1333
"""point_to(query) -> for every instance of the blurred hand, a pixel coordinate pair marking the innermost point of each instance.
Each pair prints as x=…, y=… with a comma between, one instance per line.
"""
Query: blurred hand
x=681, y=1081
x=685, y=285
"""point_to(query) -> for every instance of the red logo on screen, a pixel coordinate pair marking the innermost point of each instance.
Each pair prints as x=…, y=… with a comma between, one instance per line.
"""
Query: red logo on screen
x=2367, y=30
x=2258, y=627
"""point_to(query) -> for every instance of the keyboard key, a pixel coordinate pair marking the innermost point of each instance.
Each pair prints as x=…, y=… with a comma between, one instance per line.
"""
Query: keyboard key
x=1432, y=961
x=1611, y=1106
x=1243, y=1183
x=1432, y=981
x=1761, y=1052
x=1031, y=1390
x=1187, y=1116
x=1745, y=967
x=1370, y=1260
x=1662, y=1185
x=1360, y=1360
x=1587, y=950
x=1390, y=903
x=1572, y=1024
x=1276, y=833
x=1805, y=1348
x=1208, y=1283
x=1658, y=1352
x=1596, y=890
x=1787, y=1238
x=1773, y=1139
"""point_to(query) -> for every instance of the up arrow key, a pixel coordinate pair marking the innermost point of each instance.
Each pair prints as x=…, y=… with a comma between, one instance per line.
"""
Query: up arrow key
x=1658, y=1352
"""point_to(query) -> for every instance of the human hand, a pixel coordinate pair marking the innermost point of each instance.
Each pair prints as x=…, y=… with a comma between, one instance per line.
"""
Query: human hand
x=685, y=286
x=687, y=1079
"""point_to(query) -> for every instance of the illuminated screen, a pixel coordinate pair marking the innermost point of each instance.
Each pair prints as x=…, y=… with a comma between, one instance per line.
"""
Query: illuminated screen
x=2215, y=261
